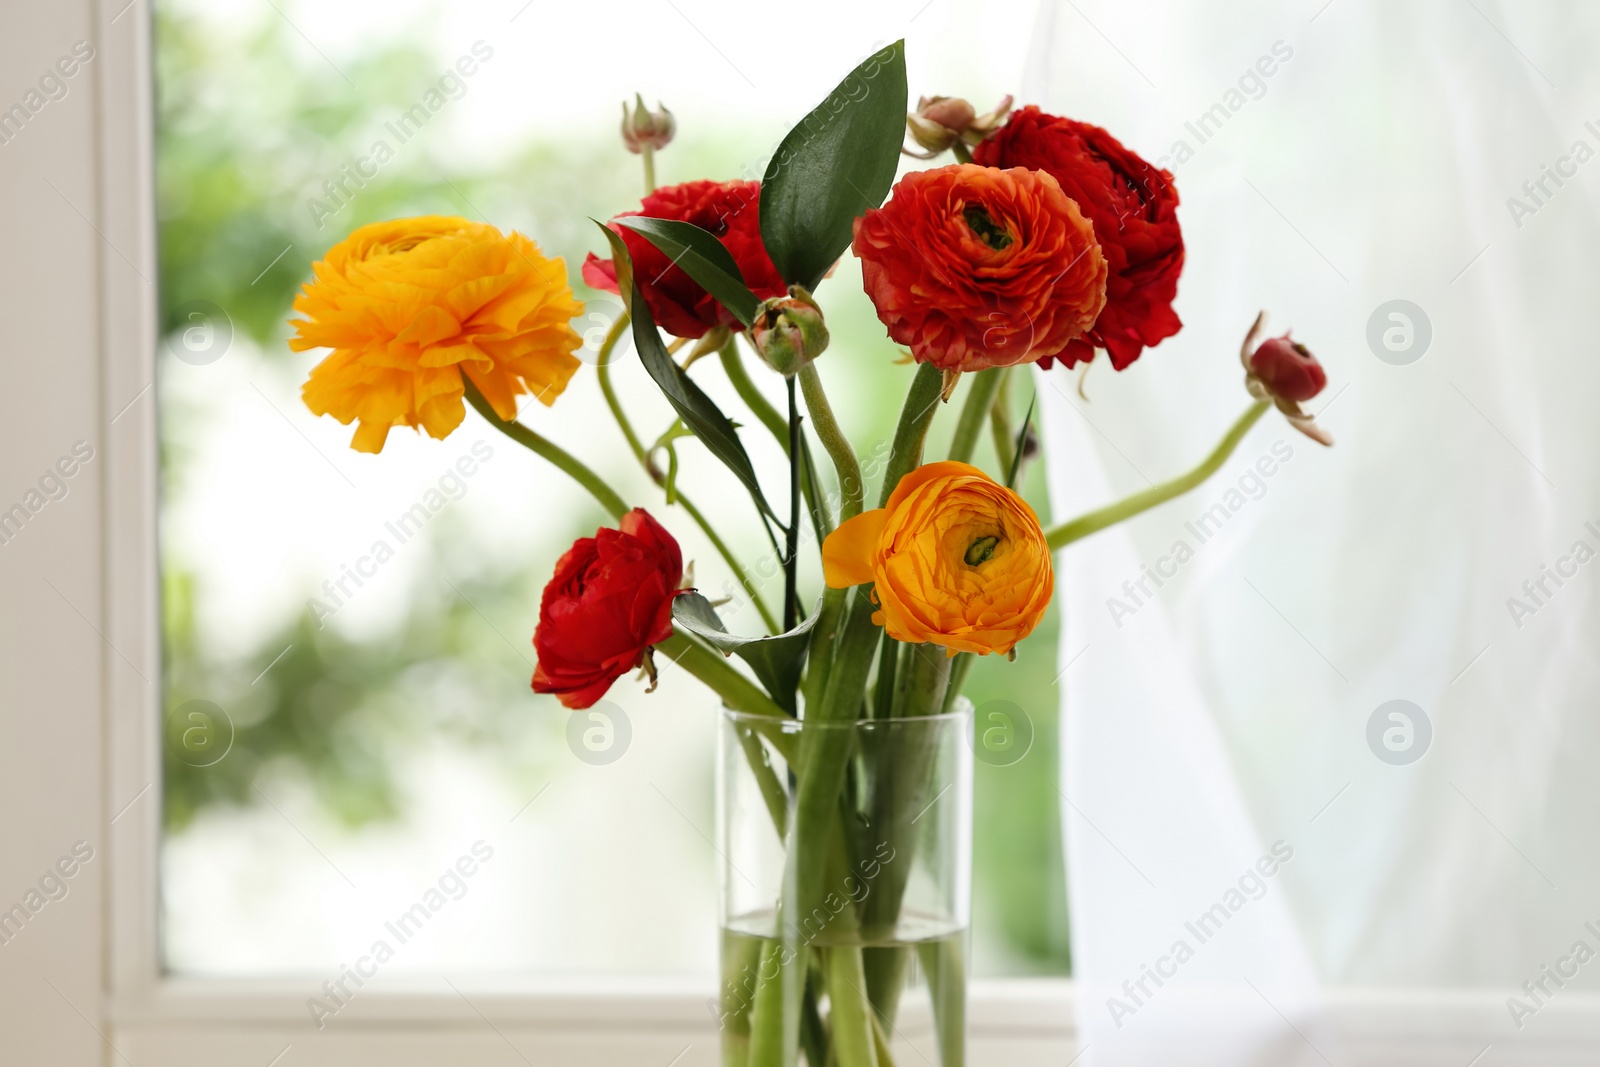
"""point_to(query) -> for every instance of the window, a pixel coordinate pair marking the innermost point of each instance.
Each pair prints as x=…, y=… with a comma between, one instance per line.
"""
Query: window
x=346, y=637
x=154, y=581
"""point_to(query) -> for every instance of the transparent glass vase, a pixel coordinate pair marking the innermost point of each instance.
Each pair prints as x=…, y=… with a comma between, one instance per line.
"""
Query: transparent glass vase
x=845, y=891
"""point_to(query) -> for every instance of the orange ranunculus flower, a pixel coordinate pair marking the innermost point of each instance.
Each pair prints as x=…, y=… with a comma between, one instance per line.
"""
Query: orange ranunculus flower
x=409, y=306
x=956, y=558
x=974, y=267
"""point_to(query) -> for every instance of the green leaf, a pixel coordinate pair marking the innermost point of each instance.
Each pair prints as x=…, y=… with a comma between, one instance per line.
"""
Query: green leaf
x=838, y=162
x=1022, y=439
x=777, y=660
x=622, y=263
x=703, y=258
x=697, y=410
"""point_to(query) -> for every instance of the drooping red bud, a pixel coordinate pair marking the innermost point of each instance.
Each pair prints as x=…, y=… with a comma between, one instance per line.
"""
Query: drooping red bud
x=1284, y=371
x=1288, y=369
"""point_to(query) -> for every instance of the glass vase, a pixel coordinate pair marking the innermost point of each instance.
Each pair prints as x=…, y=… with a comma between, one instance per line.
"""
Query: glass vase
x=845, y=890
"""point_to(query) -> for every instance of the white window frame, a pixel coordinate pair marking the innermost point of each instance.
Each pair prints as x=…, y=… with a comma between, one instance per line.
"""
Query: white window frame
x=106, y=964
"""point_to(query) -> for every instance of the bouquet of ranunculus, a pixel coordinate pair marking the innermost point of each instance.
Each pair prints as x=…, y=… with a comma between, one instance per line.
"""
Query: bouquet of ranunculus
x=1043, y=242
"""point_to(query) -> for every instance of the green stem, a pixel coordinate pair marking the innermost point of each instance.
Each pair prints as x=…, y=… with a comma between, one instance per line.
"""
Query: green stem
x=791, y=548
x=750, y=588
x=758, y=404
x=774, y=1027
x=888, y=667
x=1095, y=521
x=763, y=410
x=813, y=1033
x=881, y=1040
x=886, y=980
x=853, y=1043
x=980, y=398
x=772, y=791
x=922, y=403
x=959, y=668
x=944, y=966
x=922, y=677
x=736, y=691
x=741, y=957
x=851, y=490
x=820, y=508
x=1000, y=425
x=824, y=752
x=648, y=154
x=962, y=153
x=563, y=460
x=820, y=657
x=603, y=374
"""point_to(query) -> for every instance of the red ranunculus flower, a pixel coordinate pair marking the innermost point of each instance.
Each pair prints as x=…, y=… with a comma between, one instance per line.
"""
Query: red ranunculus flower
x=676, y=302
x=1133, y=206
x=608, y=602
x=972, y=267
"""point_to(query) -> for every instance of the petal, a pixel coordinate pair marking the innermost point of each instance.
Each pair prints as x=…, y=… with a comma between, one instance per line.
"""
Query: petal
x=600, y=274
x=370, y=436
x=944, y=468
x=431, y=325
x=847, y=552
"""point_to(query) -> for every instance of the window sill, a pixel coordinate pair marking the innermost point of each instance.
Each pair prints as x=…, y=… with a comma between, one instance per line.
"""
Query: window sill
x=184, y=1022
x=1015, y=1022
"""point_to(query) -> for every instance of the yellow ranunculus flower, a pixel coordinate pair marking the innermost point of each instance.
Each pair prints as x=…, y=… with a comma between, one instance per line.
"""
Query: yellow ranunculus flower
x=956, y=558
x=409, y=306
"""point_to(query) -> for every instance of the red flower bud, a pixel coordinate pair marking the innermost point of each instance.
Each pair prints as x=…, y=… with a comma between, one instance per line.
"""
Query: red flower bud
x=1284, y=371
x=609, y=600
x=1288, y=369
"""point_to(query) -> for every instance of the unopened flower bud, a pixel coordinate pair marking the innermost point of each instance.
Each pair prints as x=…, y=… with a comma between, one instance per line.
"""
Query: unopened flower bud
x=789, y=332
x=1288, y=369
x=941, y=121
x=643, y=128
x=1284, y=371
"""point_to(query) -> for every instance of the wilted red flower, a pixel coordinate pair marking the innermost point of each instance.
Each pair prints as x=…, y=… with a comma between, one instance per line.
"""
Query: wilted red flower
x=1133, y=206
x=677, y=302
x=609, y=600
x=973, y=267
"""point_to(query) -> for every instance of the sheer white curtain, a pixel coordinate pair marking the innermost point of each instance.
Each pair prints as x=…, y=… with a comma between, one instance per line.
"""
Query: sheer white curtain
x=1384, y=159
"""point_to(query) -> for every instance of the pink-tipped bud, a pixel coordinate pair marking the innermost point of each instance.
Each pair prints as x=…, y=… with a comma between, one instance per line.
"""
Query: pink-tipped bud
x=941, y=121
x=643, y=128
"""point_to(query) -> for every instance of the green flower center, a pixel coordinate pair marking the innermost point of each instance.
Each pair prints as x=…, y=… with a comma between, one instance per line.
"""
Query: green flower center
x=980, y=550
x=981, y=223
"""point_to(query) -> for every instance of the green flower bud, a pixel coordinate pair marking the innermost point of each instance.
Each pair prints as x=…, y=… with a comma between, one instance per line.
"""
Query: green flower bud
x=789, y=332
x=941, y=121
x=642, y=128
